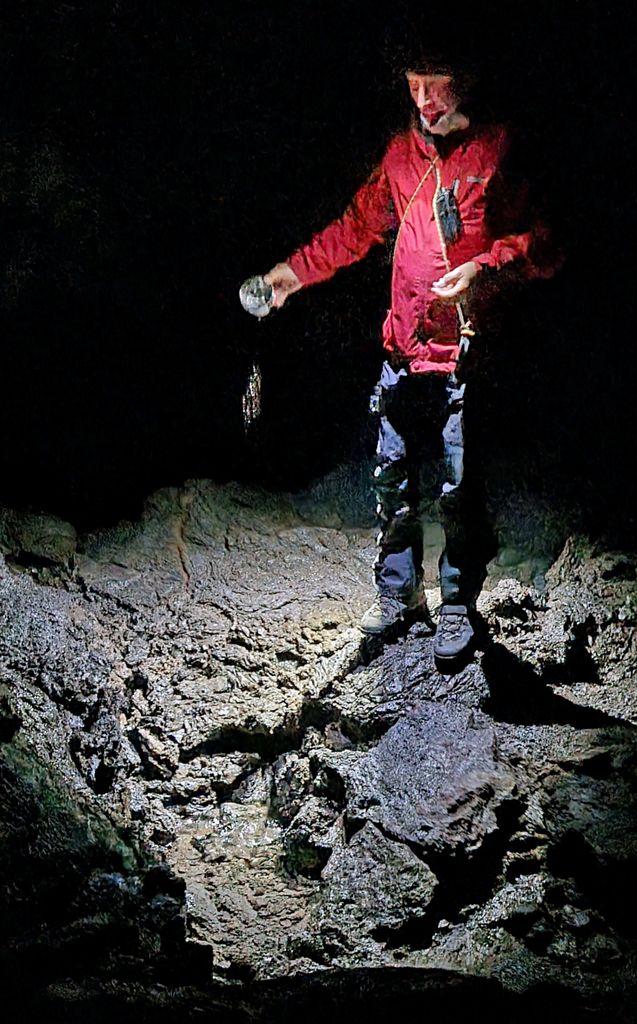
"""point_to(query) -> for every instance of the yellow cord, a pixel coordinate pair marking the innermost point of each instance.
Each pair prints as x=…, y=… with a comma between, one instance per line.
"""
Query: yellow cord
x=411, y=202
x=466, y=329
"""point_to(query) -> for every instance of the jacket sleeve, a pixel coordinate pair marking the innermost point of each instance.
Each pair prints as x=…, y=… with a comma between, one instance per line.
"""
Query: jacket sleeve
x=505, y=250
x=365, y=222
x=532, y=250
x=509, y=210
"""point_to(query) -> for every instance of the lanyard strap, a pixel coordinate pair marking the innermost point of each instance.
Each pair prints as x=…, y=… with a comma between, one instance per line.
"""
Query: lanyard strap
x=411, y=202
x=466, y=329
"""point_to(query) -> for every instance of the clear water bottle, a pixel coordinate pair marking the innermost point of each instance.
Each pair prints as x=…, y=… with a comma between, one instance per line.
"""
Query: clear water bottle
x=256, y=296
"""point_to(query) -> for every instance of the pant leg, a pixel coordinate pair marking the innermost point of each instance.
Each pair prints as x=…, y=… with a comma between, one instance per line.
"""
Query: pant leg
x=398, y=565
x=469, y=537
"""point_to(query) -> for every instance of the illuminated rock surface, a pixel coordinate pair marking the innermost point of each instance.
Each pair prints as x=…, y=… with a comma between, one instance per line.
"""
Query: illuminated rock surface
x=217, y=796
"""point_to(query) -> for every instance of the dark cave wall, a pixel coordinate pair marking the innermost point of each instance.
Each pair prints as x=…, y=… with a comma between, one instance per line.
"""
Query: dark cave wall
x=154, y=156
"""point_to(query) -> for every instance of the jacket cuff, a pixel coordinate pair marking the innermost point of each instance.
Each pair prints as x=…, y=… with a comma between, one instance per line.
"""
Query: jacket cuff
x=302, y=269
x=485, y=259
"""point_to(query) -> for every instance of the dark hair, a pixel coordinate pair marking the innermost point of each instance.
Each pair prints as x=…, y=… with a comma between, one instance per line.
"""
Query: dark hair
x=418, y=44
x=463, y=73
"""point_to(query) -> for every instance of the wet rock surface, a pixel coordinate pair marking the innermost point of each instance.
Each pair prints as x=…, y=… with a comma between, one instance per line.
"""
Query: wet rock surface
x=218, y=797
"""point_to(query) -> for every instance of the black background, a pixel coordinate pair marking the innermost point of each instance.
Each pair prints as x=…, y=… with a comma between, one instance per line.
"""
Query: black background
x=154, y=154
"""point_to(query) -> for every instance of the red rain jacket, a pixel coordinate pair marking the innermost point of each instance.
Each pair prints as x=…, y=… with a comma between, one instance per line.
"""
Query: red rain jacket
x=419, y=327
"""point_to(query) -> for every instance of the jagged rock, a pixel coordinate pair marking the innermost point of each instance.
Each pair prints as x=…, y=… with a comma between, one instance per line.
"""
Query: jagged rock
x=375, y=883
x=433, y=780
x=372, y=887
x=37, y=540
x=292, y=780
x=239, y=900
x=399, y=679
x=311, y=836
x=580, y=635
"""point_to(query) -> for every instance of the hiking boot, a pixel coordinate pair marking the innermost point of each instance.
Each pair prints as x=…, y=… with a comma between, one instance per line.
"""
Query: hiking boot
x=454, y=635
x=388, y=611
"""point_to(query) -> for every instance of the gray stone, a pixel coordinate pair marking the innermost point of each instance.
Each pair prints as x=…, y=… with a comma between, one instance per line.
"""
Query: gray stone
x=434, y=780
x=374, y=883
x=40, y=538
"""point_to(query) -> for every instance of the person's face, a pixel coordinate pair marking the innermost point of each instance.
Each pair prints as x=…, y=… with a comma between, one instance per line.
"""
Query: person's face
x=434, y=96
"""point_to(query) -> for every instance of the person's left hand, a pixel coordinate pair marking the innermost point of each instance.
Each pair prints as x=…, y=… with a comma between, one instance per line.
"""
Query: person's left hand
x=456, y=282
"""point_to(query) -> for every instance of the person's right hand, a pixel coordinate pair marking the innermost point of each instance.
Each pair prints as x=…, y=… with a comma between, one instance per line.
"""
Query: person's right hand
x=283, y=281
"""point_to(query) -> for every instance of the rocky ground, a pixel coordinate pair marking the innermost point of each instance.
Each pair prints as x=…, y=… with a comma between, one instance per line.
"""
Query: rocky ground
x=219, y=799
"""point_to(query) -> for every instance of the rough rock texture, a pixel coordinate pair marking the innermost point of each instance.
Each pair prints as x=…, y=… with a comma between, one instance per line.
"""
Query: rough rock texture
x=218, y=797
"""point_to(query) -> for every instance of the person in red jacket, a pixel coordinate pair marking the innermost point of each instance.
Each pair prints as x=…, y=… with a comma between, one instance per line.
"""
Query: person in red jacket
x=430, y=193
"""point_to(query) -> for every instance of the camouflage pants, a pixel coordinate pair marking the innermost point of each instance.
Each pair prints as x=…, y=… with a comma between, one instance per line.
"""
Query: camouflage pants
x=421, y=425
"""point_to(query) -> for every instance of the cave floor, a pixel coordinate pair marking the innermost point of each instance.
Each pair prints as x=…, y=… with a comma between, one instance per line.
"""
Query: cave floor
x=321, y=803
